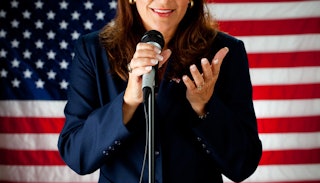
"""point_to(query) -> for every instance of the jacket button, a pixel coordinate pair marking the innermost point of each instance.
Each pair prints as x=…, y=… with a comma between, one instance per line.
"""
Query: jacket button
x=204, y=146
x=106, y=153
x=199, y=139
x=156, y=153
x=208, y=152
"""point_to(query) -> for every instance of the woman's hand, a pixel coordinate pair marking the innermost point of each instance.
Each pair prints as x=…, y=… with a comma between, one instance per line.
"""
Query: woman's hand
x=145, y=56
x=200, y=89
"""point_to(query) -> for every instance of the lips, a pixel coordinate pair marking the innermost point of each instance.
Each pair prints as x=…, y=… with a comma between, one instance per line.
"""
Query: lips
x=163, y=11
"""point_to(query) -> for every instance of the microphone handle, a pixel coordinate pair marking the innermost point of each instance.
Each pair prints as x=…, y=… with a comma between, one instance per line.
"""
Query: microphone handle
x=148, y=80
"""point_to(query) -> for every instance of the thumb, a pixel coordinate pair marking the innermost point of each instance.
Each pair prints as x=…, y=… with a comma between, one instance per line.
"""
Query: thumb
x=166, y=54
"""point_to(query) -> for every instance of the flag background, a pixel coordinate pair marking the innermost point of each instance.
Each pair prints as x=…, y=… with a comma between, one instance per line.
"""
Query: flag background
x=282, y=39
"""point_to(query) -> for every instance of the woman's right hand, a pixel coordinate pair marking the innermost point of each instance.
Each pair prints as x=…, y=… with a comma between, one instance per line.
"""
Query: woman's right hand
x=145, y=56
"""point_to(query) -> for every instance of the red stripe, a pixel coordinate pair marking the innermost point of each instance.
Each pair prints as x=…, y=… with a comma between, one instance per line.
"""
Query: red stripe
x=288, y=157
x=271, y=27
x=294, y=59
x=30, y=125
x=26, y=157
x=284, y=125
x=301, y=91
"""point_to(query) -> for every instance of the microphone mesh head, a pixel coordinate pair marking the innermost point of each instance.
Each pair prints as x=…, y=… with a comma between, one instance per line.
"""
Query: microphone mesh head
x=153, y=36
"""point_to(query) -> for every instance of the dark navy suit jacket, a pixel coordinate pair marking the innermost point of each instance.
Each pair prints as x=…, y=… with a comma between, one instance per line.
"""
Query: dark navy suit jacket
x=188, y=149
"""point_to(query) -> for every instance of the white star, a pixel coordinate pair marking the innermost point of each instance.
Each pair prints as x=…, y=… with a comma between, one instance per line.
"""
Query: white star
x=39, y=44
x=3, y=33
x=15, y=83
x=113, y=4
x=15, y=43
x=15, y=23
x=63, y=5
x=3, y=14
x=26, y=14
x=63, y=24
x=88, y=25
x=63, y=64
x=75, y=15
x=27, y=73
x=64, y=84
x=63, y=44
x=15, y=63
x=14, y=4
x=51, y=34
x=3, y=53
x=26, y=34
x=88, y=5
x=100, y=15
x=39, y=64
x=51, y=74
x=50, y=15
x=3, y=73
x=75, y=35
x=51, y=55
x=27, y=54
x=39, y=4
x=39, y=83
x=39, y=24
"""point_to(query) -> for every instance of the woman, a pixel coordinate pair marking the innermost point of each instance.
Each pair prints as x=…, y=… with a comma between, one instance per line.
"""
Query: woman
x=205, y=125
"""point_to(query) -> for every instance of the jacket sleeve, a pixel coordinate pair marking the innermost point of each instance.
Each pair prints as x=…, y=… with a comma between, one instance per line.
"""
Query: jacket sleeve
x=229, y=132
x=93, y=128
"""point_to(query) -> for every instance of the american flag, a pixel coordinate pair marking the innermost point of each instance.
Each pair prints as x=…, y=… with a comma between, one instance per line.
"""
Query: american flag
x=282, y=38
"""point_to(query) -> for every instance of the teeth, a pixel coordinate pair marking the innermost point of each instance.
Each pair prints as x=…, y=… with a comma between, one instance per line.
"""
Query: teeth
x=162, y=11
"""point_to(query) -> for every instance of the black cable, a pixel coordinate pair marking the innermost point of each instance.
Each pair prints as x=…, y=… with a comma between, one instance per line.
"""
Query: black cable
x=146, y=93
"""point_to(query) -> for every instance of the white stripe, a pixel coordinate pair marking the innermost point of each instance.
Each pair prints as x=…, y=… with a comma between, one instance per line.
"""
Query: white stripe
x=32, y=108
x=44, y=174
x=284, y=76
x=264, y=11
x=29, y=141
x=285, y=173
x=263, y=108
x=286, y=108
x=287, y=141
x=271, y=141
x=283, y=43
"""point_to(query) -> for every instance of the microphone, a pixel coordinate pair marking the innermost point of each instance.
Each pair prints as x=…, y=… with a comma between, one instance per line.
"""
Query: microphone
x=155, y=38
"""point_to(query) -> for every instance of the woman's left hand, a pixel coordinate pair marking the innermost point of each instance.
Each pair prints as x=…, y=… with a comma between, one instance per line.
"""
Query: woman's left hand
x=200, y=89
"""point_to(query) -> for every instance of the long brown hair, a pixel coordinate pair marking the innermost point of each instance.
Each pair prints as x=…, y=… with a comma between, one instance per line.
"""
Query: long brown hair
x=192, y=40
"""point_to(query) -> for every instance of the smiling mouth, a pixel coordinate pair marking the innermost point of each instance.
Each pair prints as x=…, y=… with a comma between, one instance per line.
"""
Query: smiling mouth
x=162, y=11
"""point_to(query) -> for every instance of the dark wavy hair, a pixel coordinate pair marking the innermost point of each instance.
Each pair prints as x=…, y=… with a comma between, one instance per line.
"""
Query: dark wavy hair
x=191, y=42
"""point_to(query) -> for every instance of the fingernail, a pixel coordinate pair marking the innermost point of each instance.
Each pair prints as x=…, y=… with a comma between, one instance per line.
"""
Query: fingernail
x=148, y=68
x=159, y=57
x=184, y=77
x=154, y=61
x=204, y=61
x=227, y=49
x=216, y=61
x=193, y=67
x=158, y=51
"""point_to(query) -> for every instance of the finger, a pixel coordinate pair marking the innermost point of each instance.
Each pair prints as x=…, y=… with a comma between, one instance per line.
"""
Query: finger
x=217, y=60
x=166, y=54
x=136, y=63
x=147, y=46
x=188, y=82
x=206, y=68
x=196, y=75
